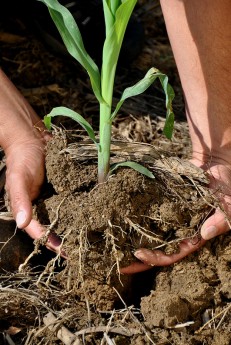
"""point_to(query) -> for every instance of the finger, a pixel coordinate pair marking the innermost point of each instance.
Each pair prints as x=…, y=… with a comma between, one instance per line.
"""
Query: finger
x=159, y=258
x=36, y=231
x=135, y=267
x=215, y=225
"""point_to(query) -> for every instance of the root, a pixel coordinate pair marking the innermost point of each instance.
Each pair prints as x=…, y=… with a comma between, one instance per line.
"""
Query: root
x=118, y=255
x=9, y=239
x=144, y=233
x=43, y=240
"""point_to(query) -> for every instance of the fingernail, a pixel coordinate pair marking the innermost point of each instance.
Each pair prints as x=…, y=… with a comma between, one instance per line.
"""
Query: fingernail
x=53, y=243
x=209, y=233
x=54, y=239
x=142, y=254
x=20, y=219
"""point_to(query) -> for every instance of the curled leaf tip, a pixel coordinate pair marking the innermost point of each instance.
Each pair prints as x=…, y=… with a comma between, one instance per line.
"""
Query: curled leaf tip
x=47, y=121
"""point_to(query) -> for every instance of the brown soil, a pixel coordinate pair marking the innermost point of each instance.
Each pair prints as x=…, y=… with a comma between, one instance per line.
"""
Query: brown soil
x=84, y=299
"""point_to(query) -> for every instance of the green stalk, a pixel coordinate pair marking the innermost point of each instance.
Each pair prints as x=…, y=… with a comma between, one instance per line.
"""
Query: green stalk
x=116, y=14
x=105, y=142
x=107, y=86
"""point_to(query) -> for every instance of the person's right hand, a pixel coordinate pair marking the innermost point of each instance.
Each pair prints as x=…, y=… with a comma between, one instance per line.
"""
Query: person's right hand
x=23, y=138
x=217, y=224
x=24, y=177
x=220, y=182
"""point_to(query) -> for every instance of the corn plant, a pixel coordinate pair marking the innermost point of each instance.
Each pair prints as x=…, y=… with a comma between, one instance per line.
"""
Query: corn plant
x=116, y=16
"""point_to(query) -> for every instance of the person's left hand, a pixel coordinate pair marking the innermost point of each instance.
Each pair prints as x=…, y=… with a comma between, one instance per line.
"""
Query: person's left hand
x=149, y=259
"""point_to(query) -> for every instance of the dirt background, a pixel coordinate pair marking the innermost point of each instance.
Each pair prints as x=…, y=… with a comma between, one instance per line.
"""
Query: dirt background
x=84, y=299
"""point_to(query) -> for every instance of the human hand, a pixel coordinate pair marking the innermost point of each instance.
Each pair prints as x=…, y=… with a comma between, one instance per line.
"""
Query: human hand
x=23, y=138
x=24, y=177
x=217, y=224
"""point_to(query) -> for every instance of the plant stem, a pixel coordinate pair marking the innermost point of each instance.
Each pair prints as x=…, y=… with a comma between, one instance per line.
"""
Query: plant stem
x=105, y=142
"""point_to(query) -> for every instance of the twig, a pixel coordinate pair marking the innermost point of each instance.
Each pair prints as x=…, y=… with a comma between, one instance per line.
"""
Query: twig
x=185, y=324
x=8, y=240
x=61, y=332
x=135, y=318
x=128, y=332
x=6, y=215
x=213, y=318
x=108, y=339
x=222, y=318
x=9, y=340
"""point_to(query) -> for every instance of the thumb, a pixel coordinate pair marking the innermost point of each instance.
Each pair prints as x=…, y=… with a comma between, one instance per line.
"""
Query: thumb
x=20, y=200
x=36, y=231
x=215, y=225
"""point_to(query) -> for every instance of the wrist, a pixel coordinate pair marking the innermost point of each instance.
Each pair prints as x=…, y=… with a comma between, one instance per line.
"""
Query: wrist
x=211, y=143
x=19, y=134
x=19, y=122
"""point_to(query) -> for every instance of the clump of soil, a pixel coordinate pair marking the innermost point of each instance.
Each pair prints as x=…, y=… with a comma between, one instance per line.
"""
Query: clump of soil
x=127, y=212
x=102, y=225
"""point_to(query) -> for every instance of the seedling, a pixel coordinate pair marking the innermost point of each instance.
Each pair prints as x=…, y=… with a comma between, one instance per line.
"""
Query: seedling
x=116, y=16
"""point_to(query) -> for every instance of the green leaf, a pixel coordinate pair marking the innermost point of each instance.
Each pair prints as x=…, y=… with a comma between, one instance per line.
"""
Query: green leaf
x=63, y=111
x=169, y=124
x=142, y=86
x=72, y=39
x=114, y=37
x=114, y=5
x=136, y=166
x=108, y=17
x=47, y=122
x=169, y=96
x=137, y=89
